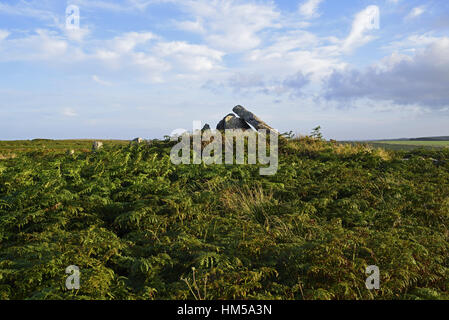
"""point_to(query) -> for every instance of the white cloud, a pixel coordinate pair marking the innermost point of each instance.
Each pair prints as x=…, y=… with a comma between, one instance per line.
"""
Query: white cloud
x=229, y=25
x=412, y=43
x=293, y=63
x=140, y=4
x=189, y=56
x=416, y=12
x=4, y=34
x=77, y=35
x=190, y=26
x=422, y=79
x=366, y=20
x=127, y=6
x=128, y=41
x=120, y=53
x=296, y=51
x=31, y=8
x=131, y=51
x=158, y=56
x=100, y=81
x=276, y=59
x=69, y=112
x=309, y=8
x=149, y=63
x=41, y=45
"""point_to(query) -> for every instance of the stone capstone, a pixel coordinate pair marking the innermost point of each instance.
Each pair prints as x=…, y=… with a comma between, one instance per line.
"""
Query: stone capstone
x=232, y=122
x=251, y=118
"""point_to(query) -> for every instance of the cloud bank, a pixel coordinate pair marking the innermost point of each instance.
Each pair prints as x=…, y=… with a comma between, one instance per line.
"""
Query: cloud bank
x=422, y=78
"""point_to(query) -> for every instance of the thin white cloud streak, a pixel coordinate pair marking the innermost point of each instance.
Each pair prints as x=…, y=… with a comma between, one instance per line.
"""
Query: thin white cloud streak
x=3, y=34
x=416, y=12
x=190, y=57
x=362, y=24
x=100, y=81
x=116, y=6
x=41, y=45
x=411, y=43
x=309, y=8
x=29, y=9
x=69, y=112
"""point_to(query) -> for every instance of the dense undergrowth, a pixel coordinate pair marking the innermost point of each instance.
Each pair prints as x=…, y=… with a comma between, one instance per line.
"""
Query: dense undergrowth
x=139, y=227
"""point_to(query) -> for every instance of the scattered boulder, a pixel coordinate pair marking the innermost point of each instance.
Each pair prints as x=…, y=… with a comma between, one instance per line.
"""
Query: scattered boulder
x=97, y=145
x=435, y=161
x=70, y=152
x=138, y=140
x=232, y=122
x=252, y=119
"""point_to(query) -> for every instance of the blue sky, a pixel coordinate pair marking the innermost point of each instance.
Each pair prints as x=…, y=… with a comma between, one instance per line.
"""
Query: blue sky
x=147, y=67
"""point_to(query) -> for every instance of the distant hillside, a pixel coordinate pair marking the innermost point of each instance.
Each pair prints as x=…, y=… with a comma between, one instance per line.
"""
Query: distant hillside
x=443, y=138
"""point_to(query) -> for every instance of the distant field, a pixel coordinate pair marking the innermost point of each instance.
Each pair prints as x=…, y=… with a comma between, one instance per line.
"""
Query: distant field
x=407, y=145
x=13, y=148
x=403, y=145
x=415, y=143
x=10, y=149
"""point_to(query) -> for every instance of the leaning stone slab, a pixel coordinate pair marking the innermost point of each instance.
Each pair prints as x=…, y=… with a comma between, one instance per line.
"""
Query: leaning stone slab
x=252, y=119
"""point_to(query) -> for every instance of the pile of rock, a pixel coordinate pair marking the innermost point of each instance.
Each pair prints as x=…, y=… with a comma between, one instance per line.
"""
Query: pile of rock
x=242, y=121
x=139, y=141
